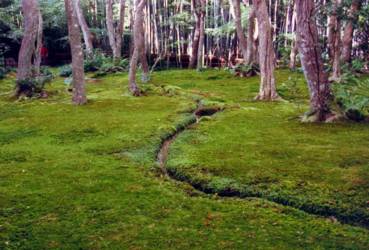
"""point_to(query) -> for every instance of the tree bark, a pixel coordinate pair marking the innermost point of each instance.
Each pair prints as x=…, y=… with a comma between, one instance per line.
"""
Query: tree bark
x=120, y=29
x=312, y=63
x=196, y=35
x=349, y=31
x=334, y=41
x=37, y=56
x=85, y=29
x=31, y=16
x=267, y=89
x=250, y=53
x=138, y=38
x=110, y=28
x=79, y=94
x=239, y=30
x=200, y=53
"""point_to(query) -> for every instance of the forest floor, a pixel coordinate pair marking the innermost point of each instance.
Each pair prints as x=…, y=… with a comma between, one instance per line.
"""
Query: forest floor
x=88, y=177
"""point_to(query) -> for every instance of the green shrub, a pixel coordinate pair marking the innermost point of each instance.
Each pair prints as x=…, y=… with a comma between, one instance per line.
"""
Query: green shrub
x=3, y=72
x=245, y=70
x=65, y=71
x=352, y=96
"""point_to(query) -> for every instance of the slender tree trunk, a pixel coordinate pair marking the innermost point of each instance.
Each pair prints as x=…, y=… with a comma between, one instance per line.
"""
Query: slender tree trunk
x=120, y=29
x=334, y=41
x=266, y=53
x=293, y=54
x=37, y=56
x=349, y=31
x=85, y=30
x=79, y=94
x=311, y=60
x=138, y=37
x=31, y=20
x=250, y=53
x=110, y=28
x=239, y=30
x=200, y=53
x=196, y=35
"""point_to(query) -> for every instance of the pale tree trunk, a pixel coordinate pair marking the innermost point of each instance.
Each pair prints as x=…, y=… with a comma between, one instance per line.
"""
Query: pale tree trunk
x=145, y=77
x=267, y=89
x=312, y=62
x=31, y=16
x=120, y=29
x=239, y=30
x=293, y=54
x=250, y=53
x=200, y=53
x=196, y=35
x=138, y=38
x=349, y=31
x=79, y=94
x=84, y=27
x=110, y=28
x=334, y=41
x=37, y=56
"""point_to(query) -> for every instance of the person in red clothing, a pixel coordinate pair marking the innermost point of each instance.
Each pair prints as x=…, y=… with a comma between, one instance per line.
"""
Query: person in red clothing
x=44, y=54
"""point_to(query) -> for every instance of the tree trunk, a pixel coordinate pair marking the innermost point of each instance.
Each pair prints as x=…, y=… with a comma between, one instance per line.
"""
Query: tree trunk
x=196, y=35
x=110, y=28
x=37, y=56
x=334, y=41
x=349, y=31
x=200, y=53
x=79, y=94
x=267, y=89
x=85, y=30
x=293, y=54
x=120, y=29
x=138, y=38
x=250, y=53
x=311, y=60
x=239, y=30
x=31, y=20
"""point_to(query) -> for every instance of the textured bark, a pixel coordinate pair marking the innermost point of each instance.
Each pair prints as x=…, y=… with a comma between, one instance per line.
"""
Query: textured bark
x=267, y=89
x=293, y=54
x=196, y=36
x=85, y=29
x=200, y=53
x=31, y=16
x=79, y=94
x=120, y=28
x=239, y=30
x=349, y=31
x=37, y=56
x=250, y=53
x=138, y=38
x=334, y=40
x=311, y=60
x=110, y=28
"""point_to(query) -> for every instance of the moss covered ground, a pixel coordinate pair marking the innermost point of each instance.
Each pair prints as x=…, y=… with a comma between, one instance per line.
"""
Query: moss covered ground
x=87, y=178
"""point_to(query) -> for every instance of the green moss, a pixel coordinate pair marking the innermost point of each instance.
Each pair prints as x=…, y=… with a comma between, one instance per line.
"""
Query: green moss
x=80, y=177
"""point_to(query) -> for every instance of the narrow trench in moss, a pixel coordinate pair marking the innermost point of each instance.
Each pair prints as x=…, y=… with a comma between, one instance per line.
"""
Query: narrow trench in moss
x=162, y=156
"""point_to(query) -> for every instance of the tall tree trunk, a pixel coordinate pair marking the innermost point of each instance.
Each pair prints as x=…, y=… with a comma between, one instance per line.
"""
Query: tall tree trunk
x=110, y=28
x=266, y=53
x=196, y=35
x=293, y=54
x=334, y=40
x=200, y=53
x=312, y=62
x=85, y=30
x=79, y=94
x=349, y=31
x=138, y=38
x=239, y=30
x=120, y=29
x=250, y=53
x=37, y=56
x=31, y=16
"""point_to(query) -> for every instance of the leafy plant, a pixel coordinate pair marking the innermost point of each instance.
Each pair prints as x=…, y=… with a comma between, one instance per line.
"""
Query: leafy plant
x=65, y=71
x=352, y=96
x=245, y=70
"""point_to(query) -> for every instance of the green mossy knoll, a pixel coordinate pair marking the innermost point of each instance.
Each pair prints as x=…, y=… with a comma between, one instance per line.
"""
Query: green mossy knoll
x=85, y=178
